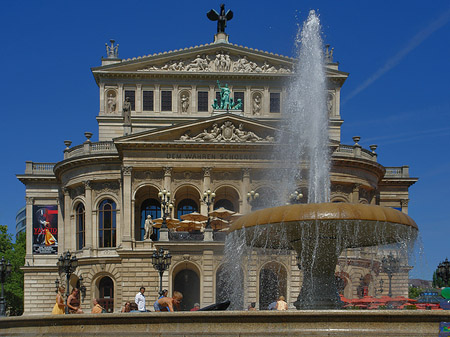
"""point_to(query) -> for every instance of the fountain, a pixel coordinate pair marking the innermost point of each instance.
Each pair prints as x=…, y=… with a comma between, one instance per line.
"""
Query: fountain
x=318, y=231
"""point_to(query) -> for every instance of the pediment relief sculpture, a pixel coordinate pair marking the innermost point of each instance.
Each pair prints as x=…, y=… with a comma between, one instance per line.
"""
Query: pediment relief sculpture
x=220, y=62
x=227, y=132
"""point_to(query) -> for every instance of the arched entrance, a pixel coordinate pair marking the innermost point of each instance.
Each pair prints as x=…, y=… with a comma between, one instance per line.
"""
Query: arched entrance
x=186, y=201
x=106, y=293
x=227, y=197
x=187, y=282
x=272, y=283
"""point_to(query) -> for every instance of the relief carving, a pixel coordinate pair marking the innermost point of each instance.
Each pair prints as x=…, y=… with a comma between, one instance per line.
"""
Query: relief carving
x=106, y=187
x=227, y=132
x=220, y=62
x=76, y=191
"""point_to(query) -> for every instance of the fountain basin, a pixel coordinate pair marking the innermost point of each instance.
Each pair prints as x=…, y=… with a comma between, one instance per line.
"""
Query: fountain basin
x=319, y=233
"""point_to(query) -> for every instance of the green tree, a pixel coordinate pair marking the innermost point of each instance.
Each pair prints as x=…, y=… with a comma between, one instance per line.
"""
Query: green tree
x=414, y=292
x=15, y=254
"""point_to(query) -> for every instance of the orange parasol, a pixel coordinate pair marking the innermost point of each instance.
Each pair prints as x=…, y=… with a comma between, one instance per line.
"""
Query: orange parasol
x=189, y=225
x=222, y=213
x=219, y=224
x=194, y=216
x=171, y=223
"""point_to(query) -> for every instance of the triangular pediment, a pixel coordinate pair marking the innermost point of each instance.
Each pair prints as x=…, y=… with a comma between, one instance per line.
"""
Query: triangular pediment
x=224, y=58
x=214, y=57
x=226, y=128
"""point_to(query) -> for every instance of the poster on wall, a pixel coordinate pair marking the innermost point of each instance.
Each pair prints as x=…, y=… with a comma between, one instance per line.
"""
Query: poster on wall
x=45, y=229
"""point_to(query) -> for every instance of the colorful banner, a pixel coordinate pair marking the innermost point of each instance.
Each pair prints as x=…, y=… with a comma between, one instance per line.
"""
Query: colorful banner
x=45, y=229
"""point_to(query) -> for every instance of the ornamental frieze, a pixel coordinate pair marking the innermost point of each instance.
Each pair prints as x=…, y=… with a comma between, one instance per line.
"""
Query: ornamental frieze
x=227, y=132
x=106, y=187
x=220, y=62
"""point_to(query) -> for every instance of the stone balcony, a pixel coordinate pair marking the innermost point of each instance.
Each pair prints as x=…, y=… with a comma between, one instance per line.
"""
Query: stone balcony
x=90, y=148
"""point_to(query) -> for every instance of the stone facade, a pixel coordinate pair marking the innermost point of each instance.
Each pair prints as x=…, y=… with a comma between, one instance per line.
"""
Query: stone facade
x=173, y=141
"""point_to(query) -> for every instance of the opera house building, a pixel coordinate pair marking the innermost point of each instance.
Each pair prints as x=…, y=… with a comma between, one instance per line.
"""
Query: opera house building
x=168, y=147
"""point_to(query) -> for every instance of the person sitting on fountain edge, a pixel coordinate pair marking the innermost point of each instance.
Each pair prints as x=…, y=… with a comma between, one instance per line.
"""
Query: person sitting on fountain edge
x=167, y=303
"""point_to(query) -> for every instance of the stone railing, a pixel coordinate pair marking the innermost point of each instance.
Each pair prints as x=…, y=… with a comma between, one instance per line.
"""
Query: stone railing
x=397, y=172
x=355, y=151
x=88, y=148
x=39, y=168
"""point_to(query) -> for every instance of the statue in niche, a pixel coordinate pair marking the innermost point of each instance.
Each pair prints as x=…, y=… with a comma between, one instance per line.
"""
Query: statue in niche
x=330, y=103
x=127, y=111
x=148, y=226
x=184, y=103
x=221, y=18
x=111, y=103
x=257, y=104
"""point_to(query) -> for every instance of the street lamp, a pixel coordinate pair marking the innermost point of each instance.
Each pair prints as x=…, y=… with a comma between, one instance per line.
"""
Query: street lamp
x=67, y=264
x=164, y=197
x=252, y=196
x=82, y=288
x=208, y=199
x=390, y=265
x=5, y=271
x=161, y=262
x=443, y=272
x=57, y=285
x=295, y=198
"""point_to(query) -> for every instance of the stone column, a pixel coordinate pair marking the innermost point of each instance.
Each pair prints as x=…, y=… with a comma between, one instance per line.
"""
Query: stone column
x=355, y=193
x=126, y=208
x=70, y=238
x=212, y=97
x=157, y=99
x=203, y=207
x=138, y=102
x=29, y=229
x=63, y=240
x=404, y=203
x=265, y=101
x=120, y=98
x=102, y=98
x=206, y=185
x=167, y=184
x=245, y=188
x=88, y=227
x=208, y=278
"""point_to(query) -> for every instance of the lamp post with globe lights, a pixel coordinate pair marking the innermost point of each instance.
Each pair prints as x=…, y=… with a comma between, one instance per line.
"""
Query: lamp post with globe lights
x=208, y=199
x=390, y=265
x=161, y=262
x=252, y=198
x=67, y=264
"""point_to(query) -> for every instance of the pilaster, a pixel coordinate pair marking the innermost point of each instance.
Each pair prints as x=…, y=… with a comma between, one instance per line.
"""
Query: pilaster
x=89, y=230
x=127, y=209
x=245, y=188
x=29, y=230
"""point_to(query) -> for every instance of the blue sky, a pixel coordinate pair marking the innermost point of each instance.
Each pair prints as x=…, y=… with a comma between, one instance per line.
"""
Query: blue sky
x=397, y=94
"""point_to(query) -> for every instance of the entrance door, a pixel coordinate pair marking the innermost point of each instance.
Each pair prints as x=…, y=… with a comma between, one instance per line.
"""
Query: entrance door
x=188, y=283
x=106, y=291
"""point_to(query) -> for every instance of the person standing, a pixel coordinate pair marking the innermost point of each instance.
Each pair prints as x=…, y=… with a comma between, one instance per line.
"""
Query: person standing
x=140, y=300
x=58, y=309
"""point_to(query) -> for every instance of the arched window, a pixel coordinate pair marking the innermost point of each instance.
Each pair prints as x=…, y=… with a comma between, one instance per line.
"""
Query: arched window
x=225, y=203
x=106, y=293
x=186, y=206
x=150, y=207
x=80, y=225
x=107, y=224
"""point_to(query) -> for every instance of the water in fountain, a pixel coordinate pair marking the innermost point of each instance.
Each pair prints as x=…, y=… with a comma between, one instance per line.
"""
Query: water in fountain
x=276, y=232
x=304, y=135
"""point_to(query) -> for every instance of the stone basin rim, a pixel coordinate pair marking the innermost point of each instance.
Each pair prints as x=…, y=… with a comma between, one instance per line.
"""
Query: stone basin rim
x=322, y=211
